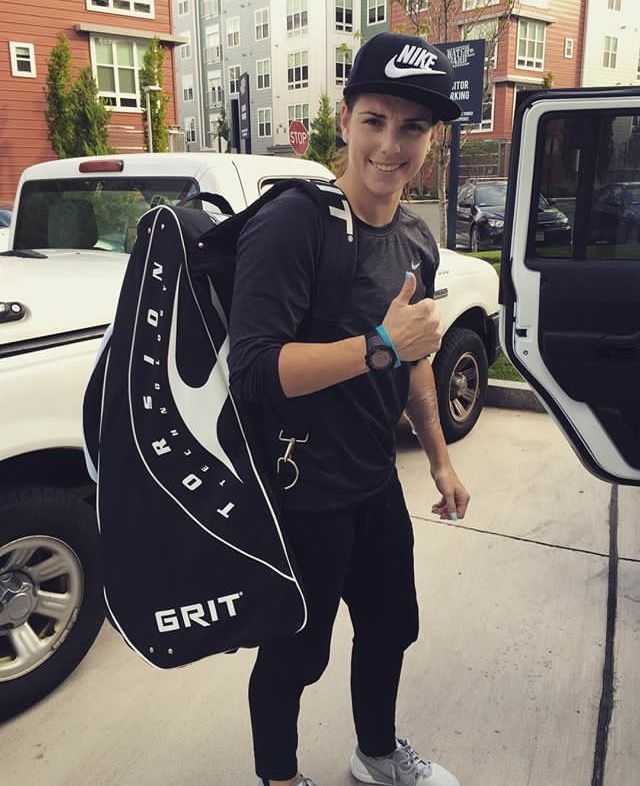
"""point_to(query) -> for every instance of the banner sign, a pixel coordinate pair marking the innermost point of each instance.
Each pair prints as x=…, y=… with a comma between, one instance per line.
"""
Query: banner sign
x=245, y=112
x=467, y=59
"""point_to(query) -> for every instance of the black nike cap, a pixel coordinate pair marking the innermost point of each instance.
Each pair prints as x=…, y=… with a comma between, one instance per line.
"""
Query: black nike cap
x=406, y=66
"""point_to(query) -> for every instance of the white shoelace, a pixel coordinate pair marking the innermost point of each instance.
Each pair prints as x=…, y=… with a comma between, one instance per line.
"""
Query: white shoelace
x=411, y=760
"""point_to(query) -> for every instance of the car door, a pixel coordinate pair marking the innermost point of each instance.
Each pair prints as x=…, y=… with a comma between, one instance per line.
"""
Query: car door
x=570, y=312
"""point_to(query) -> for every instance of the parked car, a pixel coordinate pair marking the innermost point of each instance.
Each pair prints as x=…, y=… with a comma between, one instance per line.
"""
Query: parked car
x=5, y=221
x=74, y=224
x=615, y=217
x=480, y=217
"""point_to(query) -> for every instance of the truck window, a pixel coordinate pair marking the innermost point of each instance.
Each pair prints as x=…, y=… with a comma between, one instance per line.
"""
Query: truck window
x=91, y=213
x=590, y=173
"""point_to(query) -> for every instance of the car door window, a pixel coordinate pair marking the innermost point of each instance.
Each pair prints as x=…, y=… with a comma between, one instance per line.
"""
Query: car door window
x=591, y=172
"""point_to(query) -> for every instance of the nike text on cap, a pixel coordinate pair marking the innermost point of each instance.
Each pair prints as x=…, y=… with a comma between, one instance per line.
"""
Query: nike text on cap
x=405, y=66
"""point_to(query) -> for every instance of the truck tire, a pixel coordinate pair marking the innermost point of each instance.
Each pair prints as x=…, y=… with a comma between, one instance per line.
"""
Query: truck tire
x=51, y=606
x=460, y=369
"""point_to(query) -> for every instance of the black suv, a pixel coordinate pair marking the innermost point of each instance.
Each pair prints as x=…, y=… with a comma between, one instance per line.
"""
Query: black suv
x=480, y=217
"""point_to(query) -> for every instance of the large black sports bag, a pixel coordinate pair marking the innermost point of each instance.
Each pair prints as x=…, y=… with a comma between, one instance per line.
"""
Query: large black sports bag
x=194, y=560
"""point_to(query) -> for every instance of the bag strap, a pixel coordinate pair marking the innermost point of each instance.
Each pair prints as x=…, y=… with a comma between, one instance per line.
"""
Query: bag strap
x=336, y=265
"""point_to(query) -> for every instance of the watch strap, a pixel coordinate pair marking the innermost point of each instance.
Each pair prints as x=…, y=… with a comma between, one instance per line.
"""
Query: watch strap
x=382, y=332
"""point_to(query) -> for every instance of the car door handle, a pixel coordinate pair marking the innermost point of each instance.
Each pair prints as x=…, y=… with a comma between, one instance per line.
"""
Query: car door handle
x=11, y=311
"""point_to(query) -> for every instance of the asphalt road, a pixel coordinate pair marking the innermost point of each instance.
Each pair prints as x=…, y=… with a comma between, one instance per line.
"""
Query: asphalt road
x=505, y=686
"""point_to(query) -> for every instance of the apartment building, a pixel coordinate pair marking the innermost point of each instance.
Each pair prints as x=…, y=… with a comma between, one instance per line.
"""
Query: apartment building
x=109, y=35
x=199, y=72
x=612, y=43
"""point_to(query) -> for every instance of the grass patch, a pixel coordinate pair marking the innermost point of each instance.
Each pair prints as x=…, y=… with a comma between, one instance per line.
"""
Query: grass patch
x=502, y=369
x=492, y=256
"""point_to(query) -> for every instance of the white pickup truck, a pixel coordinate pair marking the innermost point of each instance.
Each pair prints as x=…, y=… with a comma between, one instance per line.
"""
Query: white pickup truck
x=72, y=228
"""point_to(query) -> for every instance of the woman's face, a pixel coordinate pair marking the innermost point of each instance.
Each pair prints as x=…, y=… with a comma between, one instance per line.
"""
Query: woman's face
x=388, y=138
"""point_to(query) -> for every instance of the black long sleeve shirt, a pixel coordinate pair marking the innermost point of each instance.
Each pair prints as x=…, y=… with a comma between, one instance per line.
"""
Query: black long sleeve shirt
x=350, y=452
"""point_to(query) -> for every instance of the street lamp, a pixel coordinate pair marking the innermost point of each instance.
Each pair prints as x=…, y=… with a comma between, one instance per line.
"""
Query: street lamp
x=146, y=90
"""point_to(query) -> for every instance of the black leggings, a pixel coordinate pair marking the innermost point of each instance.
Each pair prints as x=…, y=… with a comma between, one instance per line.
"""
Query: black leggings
x=363, y=554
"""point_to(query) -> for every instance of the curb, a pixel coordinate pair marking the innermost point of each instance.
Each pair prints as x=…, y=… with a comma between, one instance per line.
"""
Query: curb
x=512, y=395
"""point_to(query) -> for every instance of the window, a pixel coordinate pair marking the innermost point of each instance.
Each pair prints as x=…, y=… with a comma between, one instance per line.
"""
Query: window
x=210, y=8
x=183, y=7
x=610, y=52
x=299, y=112
x=263, y=74
x=488, y=99
x=589, y=167
x=234, y=79
x=376, y=12
x=190, y=128
x=344, y=15
x=128, y=7
x=568, y=47
x=215, y=90
x=468, y=5
x=212, y=47
x=116, y=67
x=187, y=87
x=344, y=58
x=233, y=32
x=185, y=49
x=264, y=122
x=297, y=16
x=417, y=6
x=116, y=204
x=23, y=59
x=298, y=70
x=262, y=24
x=531, y=36
x=614, y=5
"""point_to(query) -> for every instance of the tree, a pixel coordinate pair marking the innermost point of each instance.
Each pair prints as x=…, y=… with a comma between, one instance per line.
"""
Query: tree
x=58, y=112
x=322, y=139
x=151, y=73
x=90, y=133
x=223, y=130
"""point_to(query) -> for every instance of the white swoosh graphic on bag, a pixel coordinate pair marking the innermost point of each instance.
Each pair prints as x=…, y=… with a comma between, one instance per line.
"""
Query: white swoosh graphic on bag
x=394, y=72
x=200, y=407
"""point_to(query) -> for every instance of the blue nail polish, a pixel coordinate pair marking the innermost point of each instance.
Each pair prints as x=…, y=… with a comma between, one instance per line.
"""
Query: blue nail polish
x=453, y=516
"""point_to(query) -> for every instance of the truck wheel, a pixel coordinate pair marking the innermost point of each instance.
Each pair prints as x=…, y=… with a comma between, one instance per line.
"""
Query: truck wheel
x=460, y=369
x=51, y=605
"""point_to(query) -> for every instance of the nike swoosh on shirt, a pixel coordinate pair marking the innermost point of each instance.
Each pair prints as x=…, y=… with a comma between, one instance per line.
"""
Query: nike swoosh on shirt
x=415, y=265
x=199, y=407
x=395, y=72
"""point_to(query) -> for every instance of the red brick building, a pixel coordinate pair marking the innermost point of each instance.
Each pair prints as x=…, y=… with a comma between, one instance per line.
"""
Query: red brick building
x=540, y=42
x=108, y=35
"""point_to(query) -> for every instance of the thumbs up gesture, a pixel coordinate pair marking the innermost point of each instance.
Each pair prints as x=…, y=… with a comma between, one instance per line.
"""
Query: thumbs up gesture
x=416, y=330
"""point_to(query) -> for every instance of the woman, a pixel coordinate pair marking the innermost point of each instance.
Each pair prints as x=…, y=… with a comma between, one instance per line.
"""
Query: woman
x=345, y=518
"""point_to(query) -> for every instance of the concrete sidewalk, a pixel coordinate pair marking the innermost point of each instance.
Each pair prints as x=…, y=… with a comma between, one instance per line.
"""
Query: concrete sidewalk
x=504, y=686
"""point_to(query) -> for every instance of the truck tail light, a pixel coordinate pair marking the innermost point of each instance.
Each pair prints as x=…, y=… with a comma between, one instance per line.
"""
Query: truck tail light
x=105, y=165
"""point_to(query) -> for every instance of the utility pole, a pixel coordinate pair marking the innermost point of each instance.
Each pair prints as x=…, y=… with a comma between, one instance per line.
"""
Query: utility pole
x=146, y=90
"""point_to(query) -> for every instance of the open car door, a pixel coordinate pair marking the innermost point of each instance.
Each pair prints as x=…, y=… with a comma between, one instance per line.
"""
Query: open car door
x=570, y=288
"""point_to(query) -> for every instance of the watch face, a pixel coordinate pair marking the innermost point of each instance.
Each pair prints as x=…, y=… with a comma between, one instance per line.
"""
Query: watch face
x=381, y=359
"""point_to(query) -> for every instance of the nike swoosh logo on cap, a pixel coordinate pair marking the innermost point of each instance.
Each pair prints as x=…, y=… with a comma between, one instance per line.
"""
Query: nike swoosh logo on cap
x=394, y=72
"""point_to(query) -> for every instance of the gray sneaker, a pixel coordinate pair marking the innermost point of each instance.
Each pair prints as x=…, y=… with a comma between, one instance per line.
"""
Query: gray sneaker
x=403, y=768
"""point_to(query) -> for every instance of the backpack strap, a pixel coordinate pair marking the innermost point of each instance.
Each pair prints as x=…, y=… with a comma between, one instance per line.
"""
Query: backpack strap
x=336, y=265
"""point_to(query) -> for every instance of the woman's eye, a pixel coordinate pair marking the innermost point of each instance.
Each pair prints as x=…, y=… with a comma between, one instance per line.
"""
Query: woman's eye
x=373, y=121
x=416, y=128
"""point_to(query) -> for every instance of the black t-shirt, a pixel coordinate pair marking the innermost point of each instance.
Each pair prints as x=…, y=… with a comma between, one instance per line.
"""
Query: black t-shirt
x=350, y=452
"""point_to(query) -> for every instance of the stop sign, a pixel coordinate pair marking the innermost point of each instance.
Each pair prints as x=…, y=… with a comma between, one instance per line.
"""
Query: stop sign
x=298, y=137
